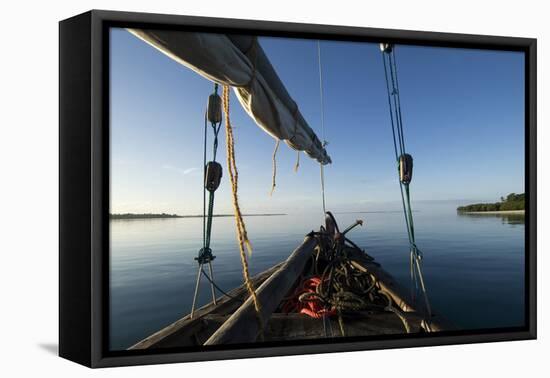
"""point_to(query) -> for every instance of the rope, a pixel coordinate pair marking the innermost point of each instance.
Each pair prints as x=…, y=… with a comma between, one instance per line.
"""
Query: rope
x=205, y=253
x=345, y=286
x=395, y=95
x=207, y=217
x=396, y=311
x=398, y=98
x=210, y=217
x=242, y=235
x=390, y=107
x=324, y=143
x=219, y=288
x=323, y=188
x=388, y=58
x=204, y=175
x=321, y=89
x=274, y=159
x=297, y=165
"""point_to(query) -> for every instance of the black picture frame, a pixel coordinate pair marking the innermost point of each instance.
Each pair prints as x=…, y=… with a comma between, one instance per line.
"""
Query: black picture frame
x=84, y=184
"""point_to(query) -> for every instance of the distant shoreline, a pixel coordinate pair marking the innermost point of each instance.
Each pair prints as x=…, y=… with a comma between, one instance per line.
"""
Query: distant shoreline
x=131, y=216
x=494, y=212
x=512, y=202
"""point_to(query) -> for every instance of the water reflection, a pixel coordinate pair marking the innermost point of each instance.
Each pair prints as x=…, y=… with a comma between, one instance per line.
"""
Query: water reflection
x=506, y=218
x=473, y=266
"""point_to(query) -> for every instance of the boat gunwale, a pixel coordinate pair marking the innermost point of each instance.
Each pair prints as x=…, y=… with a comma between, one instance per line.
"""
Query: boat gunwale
x=202, y=311
x=386, y=282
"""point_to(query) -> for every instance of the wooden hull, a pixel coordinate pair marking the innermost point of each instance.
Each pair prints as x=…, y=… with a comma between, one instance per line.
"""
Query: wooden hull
x=189, y=331
x=234, y=320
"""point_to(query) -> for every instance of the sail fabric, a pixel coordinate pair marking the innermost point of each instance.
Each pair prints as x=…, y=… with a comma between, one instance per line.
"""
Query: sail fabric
x=240, y=62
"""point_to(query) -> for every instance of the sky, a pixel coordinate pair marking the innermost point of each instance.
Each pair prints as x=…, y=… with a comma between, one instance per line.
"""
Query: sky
x=462, y=109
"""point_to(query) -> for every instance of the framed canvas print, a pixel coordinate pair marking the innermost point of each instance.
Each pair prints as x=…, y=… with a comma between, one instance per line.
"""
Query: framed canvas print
x=234, y=188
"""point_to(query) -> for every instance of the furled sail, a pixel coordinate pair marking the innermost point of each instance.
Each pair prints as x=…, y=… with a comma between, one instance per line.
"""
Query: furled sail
x=239, y=61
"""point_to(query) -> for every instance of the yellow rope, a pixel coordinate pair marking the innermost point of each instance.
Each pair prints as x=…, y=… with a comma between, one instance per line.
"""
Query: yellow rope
x=274, y=158
x=242, y=236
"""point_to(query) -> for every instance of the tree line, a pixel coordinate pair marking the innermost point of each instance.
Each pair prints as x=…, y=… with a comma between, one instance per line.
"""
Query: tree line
x=512, y=201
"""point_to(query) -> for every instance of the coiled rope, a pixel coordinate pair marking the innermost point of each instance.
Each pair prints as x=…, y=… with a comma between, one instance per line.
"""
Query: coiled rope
x=344, y=286
x=242, y=236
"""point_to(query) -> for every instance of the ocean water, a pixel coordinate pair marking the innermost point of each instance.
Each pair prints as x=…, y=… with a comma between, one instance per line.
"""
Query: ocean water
x=473, y=264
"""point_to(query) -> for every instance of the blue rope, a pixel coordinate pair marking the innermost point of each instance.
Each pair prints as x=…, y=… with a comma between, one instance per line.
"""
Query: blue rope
x=388, y=58
x=207, y=217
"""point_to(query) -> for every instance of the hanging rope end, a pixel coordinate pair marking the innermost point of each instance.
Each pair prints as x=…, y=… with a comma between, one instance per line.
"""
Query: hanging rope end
x=274, y=175
x=297, y=165
x=248, y=247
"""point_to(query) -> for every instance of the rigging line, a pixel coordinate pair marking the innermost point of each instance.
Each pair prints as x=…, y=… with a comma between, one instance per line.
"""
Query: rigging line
x=406, y=210
x=395, y=125
x=423, y=286
x=390, y=107
x=395, y=143
x=412, y=275
x=395, y=95
x=210, y=217
x=398, y=97
x=323, y=188
x=418, y=276
x=324, y=142
x=416, y=254
x=321, y=91
x=206, y=229
x=409, y=207
x=204, y=176
x=216, y=129
x=223, y=292
x=406, y=215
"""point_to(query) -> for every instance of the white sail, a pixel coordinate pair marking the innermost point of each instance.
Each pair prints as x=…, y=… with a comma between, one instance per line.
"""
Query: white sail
x=239, y=61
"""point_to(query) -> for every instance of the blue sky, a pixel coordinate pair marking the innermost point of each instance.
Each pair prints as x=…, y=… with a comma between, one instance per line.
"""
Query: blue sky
x=462, y=109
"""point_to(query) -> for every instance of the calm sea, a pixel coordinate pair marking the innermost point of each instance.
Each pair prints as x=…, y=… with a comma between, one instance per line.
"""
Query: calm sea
x=473, y=264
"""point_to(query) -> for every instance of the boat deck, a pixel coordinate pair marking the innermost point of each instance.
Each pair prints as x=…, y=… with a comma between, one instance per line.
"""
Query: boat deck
x=279, y=326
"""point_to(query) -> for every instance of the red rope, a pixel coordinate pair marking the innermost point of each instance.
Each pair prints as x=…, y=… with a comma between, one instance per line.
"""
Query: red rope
x=312, y=307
